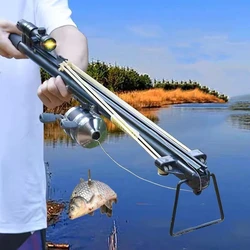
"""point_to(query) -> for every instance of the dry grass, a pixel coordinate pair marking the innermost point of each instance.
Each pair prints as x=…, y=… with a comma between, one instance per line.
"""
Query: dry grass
x=153, y=98
x=160, y=97
x=145, y=101
x=54, y=133
x=149, y=113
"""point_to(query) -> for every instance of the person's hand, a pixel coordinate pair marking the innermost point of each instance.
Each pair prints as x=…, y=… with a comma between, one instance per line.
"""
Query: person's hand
x=53, y=92
x=6, y=47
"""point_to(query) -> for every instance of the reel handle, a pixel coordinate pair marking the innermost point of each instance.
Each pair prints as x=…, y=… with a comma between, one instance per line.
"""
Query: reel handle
x=48, y=117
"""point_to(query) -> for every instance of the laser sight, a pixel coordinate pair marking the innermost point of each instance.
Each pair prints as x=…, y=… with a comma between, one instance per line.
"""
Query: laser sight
x=33, y=35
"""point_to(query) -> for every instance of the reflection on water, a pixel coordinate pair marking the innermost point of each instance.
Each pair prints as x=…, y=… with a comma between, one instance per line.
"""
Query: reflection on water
x=201, y=107
x=142, y=227
x=241, y=121
x=240, y=106
x=54, y=134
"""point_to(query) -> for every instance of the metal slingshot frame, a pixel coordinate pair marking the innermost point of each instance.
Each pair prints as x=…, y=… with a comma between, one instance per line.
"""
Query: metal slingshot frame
x=84, y=124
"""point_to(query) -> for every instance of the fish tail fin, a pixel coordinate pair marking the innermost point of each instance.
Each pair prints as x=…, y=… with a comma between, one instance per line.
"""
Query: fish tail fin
x=105, y=210
x=109, y=212
x=109, y=203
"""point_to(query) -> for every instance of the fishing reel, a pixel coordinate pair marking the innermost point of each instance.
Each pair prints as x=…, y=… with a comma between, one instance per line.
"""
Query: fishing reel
x=85, y=126
x=32, y=35
x=82, y=124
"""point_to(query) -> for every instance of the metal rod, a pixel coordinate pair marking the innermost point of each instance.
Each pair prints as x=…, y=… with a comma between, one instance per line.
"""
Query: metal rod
x=191, y=229
x=163, y=147
x=160, y=142
x=183, y=153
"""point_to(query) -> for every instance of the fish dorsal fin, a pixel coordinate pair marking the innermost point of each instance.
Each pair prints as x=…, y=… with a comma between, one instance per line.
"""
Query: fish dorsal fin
x=81, y=180
x=89, y=178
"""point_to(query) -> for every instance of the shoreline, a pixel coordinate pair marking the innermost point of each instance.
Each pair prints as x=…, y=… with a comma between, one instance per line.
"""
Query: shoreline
x=153, y=98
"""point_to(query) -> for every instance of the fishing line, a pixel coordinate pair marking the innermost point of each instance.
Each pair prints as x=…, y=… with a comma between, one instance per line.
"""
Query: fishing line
x=123, y=103
x=114, y=117
x=137, y=176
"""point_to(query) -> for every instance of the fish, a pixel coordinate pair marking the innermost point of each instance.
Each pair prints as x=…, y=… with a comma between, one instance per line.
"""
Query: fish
x=112, y=239
x=89, y=196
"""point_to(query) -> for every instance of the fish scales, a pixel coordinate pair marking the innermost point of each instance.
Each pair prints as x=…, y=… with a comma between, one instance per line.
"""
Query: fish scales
x=83, y=190
x=104, y=190
x=89, y=196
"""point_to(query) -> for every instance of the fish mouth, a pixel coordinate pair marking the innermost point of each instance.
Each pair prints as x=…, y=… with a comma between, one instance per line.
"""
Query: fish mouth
x=71, y=217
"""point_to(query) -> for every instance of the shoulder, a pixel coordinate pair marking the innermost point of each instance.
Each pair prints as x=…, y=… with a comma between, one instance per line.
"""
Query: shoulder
x=53, y=14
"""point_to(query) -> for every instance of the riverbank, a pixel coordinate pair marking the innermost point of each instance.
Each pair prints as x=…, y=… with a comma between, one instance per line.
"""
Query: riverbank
x=158, y=97
x=154, y=98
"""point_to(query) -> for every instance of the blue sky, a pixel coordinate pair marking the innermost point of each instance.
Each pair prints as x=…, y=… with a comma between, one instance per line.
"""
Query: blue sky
x=206, y=41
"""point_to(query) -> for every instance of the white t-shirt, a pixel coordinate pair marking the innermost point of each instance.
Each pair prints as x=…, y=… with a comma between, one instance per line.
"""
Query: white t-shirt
x=22, y=170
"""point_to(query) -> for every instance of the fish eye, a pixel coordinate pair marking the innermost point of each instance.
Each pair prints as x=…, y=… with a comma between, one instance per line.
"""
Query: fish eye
x=72, y=208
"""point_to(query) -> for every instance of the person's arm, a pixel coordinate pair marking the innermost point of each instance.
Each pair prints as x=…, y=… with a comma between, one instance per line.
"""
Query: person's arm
x=72, y=45
x=54, y=15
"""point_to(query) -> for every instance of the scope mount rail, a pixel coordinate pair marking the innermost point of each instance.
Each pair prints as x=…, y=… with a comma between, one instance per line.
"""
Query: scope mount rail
x=86, y=127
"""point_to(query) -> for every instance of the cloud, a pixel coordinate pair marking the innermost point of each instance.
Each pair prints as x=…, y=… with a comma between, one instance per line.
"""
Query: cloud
x=147, y=31
x=214, y=60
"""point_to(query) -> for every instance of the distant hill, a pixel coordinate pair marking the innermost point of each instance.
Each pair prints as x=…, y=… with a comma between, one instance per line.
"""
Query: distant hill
x=241, y=102
x=240, y=98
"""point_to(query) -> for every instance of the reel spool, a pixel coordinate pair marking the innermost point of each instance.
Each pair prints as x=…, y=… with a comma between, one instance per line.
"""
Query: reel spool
x=90, y=127
x=84, y=126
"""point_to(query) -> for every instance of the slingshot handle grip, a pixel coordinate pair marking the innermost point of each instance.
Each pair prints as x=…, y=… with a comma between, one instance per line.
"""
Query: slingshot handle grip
x=15, y=39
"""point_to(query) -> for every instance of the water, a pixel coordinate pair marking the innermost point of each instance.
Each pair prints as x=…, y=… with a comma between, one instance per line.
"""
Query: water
x=143, y=211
